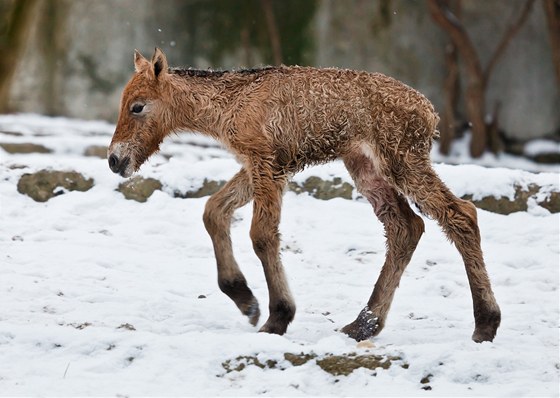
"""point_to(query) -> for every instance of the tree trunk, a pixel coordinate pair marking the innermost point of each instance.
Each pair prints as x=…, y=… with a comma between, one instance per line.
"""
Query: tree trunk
x=476, y=89
x=448, y=125
x=494, y=141
x=552, y=11
x=477, y=78
x=272, y=31
x=475, y=100
x=12, y=44
x=52, y=30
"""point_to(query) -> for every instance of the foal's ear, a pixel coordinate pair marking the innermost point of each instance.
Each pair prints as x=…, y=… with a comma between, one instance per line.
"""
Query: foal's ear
x=159, y=62
x=140, y=63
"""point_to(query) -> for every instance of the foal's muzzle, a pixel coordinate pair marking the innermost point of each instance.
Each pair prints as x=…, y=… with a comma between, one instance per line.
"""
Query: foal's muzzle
x=118, y=165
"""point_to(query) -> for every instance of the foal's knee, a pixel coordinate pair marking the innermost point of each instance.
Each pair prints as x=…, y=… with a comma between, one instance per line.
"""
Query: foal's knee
x=405, y=226
x=461, y=221
x=264, y=241
x=469, y=210
x=211, y=216
x=415, y=228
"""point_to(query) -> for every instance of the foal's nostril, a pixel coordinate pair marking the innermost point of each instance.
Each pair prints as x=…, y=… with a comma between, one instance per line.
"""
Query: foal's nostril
x=114, y=163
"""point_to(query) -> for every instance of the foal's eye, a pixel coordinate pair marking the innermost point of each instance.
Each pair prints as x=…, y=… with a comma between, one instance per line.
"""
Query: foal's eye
x=137, y=108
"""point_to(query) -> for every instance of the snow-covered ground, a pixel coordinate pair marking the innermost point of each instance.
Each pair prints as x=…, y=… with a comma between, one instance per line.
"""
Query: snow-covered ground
x=460, y=154
x=110, y=297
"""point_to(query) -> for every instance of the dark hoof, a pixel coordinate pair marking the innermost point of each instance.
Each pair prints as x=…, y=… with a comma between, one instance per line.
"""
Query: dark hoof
x=281, y=314
x=242, y=296
x=273, y=328
x=365, y=326
x=252, y=312
x=486, y=327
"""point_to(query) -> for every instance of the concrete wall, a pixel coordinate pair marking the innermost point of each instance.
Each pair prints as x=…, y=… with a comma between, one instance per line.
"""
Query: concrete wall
x=406, y=44
x=80, y=53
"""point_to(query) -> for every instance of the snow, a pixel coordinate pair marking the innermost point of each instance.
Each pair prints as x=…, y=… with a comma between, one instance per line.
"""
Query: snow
x=105, y=296
x=541, y=146
x=459, y=154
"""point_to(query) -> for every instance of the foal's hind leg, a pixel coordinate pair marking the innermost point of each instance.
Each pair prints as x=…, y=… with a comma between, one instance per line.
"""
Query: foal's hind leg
x=217, y=219
x=403, y=229
x=459, y=221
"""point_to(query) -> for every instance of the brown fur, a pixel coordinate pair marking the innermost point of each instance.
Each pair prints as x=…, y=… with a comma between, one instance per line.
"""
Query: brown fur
x=278, y=120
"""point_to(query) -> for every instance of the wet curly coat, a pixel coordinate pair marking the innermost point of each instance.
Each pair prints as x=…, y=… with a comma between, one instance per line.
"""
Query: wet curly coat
x=277, y=120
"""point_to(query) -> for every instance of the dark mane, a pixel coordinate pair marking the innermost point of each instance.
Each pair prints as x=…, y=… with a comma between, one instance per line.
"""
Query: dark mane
x=209, y=73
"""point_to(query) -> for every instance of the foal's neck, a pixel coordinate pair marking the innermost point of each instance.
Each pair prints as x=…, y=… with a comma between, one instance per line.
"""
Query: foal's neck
x=201, y=101
x=207, y=101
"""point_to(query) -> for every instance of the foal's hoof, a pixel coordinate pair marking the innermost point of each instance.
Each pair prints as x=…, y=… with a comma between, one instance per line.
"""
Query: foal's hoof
x=273, y=328
x=483, y=334
x=486, y=327
x=239, y=292
x=252, y=312
x=364, y=327
x=281, y=314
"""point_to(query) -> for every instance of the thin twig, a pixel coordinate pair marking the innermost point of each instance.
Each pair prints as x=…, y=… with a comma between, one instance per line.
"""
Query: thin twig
x=66, y=371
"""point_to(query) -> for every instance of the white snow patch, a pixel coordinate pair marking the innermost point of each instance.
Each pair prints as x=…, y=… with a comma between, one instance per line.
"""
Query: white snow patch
x=460, y=154
x=77, y=268
x=536, y=147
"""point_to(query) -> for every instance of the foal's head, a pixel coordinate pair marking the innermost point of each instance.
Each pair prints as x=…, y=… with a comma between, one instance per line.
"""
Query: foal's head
x=142, y=123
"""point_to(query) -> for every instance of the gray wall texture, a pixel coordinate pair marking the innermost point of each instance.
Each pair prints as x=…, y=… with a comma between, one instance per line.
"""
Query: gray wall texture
x=80, y=52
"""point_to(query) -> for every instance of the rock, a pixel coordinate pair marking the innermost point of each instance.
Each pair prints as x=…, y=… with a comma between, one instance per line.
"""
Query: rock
x=315, y=186
x=80, y=326
x=345, y=364
x=547, y=158
x=241, y=362
x=551, y=203
x=42, y=185
x=24, y=148
x=334, y=364
x=501, y=205
x=426, y=379
x=127, y=326
x=209, y=187
x=99, y=151
x=326, y=190
x=505, y=205
x=138, y=188
x=299, y=359
x=323, y=189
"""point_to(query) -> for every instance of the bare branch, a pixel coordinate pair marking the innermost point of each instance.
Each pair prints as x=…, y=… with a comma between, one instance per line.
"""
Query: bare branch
x=475, y=100
x=506, y=39
x=444, y=17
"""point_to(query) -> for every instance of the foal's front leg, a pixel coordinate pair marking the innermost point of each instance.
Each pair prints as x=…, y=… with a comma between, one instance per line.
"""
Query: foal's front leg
x=266, y=243
x=217, y=220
